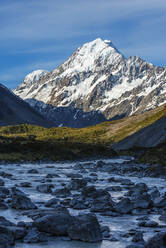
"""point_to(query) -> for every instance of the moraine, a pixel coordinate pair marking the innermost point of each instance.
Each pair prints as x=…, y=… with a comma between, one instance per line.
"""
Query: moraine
x=113, y=175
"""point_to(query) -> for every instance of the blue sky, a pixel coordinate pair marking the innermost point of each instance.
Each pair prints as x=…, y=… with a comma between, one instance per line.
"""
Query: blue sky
x=41, y=34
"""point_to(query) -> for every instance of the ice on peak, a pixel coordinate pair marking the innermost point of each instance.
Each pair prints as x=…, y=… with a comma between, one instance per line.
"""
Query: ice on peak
x=97, y=44
x=86, y=57
x=107, y=41
x=35, y=75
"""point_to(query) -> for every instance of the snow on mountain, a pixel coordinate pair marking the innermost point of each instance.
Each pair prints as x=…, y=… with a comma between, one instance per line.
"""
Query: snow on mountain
x=96, y=77
x=86, y=57
x=35, y=76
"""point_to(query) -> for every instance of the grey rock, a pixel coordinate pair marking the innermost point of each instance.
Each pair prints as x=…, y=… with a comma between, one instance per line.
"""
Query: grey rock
x=149, y=223
x=61, y=192
x=56, y=224
x=33, y=171
x=20, y=201
x=6, y=237
x=25, y=184
x=157, y=241
x=51, y=202
x=34, y=236
x=2, y=183
x=45, y=188
x=138, y=237
x=141, y=200
x=85, y=228
x=125, y=206
x=77, y=184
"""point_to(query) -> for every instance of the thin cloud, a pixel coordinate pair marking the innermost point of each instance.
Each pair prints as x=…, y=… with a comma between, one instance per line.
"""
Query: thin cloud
x=16, y=73
x=49, y=19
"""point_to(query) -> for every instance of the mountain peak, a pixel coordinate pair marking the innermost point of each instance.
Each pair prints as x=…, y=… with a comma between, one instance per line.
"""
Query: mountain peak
x=97, y=77
x=91, y=55
x=97, y=46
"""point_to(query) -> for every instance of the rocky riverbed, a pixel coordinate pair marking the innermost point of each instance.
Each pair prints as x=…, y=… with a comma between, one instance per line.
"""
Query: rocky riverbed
x=104, y=203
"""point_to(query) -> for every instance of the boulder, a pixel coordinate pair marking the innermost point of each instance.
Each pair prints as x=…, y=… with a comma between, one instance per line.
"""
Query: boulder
x=56, y=224
x=44, y=188
x=125, y=206
x=73, y=175
x=6, y=237
x=20, y=201
x=85, y=228
x=78, y=203
x=51, y=202
x=149, y=223
x=33, y=171
x=138, y=237
x=157, y=241
x=5, y=175
x=141, y=200
x=34, y=236
x=1, y=182
x=92, y=192
x=77, y=184
x=25, y=184
x=4, y=192
x=52, y=175
x=154, y=192
x=62, y=192
x=114, y=188
x=160, y=202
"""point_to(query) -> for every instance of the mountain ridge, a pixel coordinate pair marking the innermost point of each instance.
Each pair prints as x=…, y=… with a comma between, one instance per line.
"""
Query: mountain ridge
x=13, y=110
x=97, y=77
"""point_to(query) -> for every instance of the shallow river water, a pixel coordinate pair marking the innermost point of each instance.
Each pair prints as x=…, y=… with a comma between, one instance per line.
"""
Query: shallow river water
x=118, y=225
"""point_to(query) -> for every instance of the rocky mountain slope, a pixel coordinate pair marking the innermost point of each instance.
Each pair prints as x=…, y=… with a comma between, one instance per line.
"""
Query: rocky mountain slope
x=13, y=110
x=96, y=83
x=149, y=136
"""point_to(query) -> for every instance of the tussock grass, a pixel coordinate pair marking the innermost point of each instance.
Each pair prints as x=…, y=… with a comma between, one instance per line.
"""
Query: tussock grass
x=33, y=143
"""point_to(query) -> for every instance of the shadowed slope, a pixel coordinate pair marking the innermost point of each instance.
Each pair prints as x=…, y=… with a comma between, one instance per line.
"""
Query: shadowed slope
x=14, y=110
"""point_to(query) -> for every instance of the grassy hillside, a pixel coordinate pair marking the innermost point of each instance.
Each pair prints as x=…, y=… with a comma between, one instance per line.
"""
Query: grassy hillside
x=28, y=142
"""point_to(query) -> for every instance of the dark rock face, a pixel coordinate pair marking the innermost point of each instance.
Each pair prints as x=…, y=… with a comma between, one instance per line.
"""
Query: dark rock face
x=85, y=228
x=157, y=241
x=20, y=201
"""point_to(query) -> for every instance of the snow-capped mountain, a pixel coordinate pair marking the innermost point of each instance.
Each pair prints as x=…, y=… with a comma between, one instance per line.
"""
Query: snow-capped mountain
x=96, y=82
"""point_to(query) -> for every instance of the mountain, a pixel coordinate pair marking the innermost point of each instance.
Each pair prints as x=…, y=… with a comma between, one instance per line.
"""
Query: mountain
x=13, y=110
x=149, y=136
x=95, y=83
